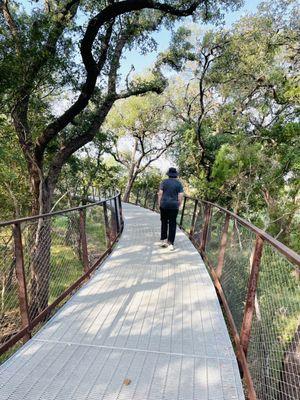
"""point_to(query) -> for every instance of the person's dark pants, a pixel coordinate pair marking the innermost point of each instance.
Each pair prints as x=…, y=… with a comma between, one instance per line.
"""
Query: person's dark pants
x=168, y=224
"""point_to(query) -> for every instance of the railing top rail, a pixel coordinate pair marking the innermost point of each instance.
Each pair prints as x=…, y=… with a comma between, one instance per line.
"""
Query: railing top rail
x=34, y=217
x=286, y=251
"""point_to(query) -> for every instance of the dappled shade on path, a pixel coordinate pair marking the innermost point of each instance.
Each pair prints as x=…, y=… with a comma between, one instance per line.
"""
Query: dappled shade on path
x=147, y=326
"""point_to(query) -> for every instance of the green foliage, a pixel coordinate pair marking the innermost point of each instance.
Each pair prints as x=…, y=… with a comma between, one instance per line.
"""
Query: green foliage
x=149, y=180
x=237, y=107
x=14, y=190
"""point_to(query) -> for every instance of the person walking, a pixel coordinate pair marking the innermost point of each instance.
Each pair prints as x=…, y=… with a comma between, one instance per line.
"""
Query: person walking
x=170, y=197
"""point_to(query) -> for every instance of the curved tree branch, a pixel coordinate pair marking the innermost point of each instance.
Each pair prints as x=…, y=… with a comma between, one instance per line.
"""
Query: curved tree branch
x=92, y=67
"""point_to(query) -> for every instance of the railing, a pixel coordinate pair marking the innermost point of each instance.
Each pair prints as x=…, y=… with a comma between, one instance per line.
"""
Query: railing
x=257, y=280
x=45, y=258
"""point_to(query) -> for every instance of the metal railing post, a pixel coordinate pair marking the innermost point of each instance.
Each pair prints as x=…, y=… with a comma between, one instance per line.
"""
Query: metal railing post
x=20, y=274
x=182, y=212
x=116, y=215
x=194, y=218
x=120, y=209
x=106, y=223
x=223, y=243
x=207, y=218
x=251, y=395
x=250, y=300
x=84, y=249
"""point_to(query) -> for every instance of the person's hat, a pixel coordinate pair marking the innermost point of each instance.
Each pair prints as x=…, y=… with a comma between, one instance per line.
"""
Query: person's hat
x=172, y=173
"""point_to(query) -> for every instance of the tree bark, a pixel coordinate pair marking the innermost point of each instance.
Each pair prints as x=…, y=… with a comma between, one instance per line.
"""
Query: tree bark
x=129, y=188
x=40, y=249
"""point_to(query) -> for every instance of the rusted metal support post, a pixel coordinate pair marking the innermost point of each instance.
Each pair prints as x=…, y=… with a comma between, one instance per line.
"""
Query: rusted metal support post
x=250, y=300
x=117, y=215
x=251, y=395
x=182, y=212
x=84, y=249
x=223, y=243
x=106, y=223
x=207, y=218
x=193, y=219
x=20, y=274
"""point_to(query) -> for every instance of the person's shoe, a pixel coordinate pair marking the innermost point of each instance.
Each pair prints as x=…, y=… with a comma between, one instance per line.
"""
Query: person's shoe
x=171, y=247
x=163, y=243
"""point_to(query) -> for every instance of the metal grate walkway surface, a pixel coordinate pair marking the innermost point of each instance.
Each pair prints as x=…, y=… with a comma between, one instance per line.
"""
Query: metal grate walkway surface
x=148, y=325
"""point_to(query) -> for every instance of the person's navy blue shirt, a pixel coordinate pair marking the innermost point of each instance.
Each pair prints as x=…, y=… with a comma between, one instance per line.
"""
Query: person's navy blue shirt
x=170, y=187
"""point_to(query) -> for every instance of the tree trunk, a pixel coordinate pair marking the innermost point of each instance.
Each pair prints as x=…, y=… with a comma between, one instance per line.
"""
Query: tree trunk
x=131, y=174
x=40, y=251
x=128, y=188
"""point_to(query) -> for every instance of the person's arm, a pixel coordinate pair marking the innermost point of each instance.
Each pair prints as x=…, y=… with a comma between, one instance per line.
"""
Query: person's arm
x=160, y=193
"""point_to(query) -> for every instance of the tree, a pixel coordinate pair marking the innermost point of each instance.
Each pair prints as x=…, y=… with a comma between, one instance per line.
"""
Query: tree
x=147, y=183
x=144, y=123
x=246, y=84
x=261, y=179
x=37, y=48
x=14, y=196
x=197, y=101
x=88, y=168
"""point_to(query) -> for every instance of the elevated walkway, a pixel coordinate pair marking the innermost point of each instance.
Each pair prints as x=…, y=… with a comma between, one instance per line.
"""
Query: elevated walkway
x=148, y=325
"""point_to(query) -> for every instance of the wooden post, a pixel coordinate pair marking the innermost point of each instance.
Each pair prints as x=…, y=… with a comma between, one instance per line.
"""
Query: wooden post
x=252, y=286
x=20, y=274
x=207, y=218
x=194, y=218
x=106, y=223
x=82, y=231
x=182, y=212
x=221, y=256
